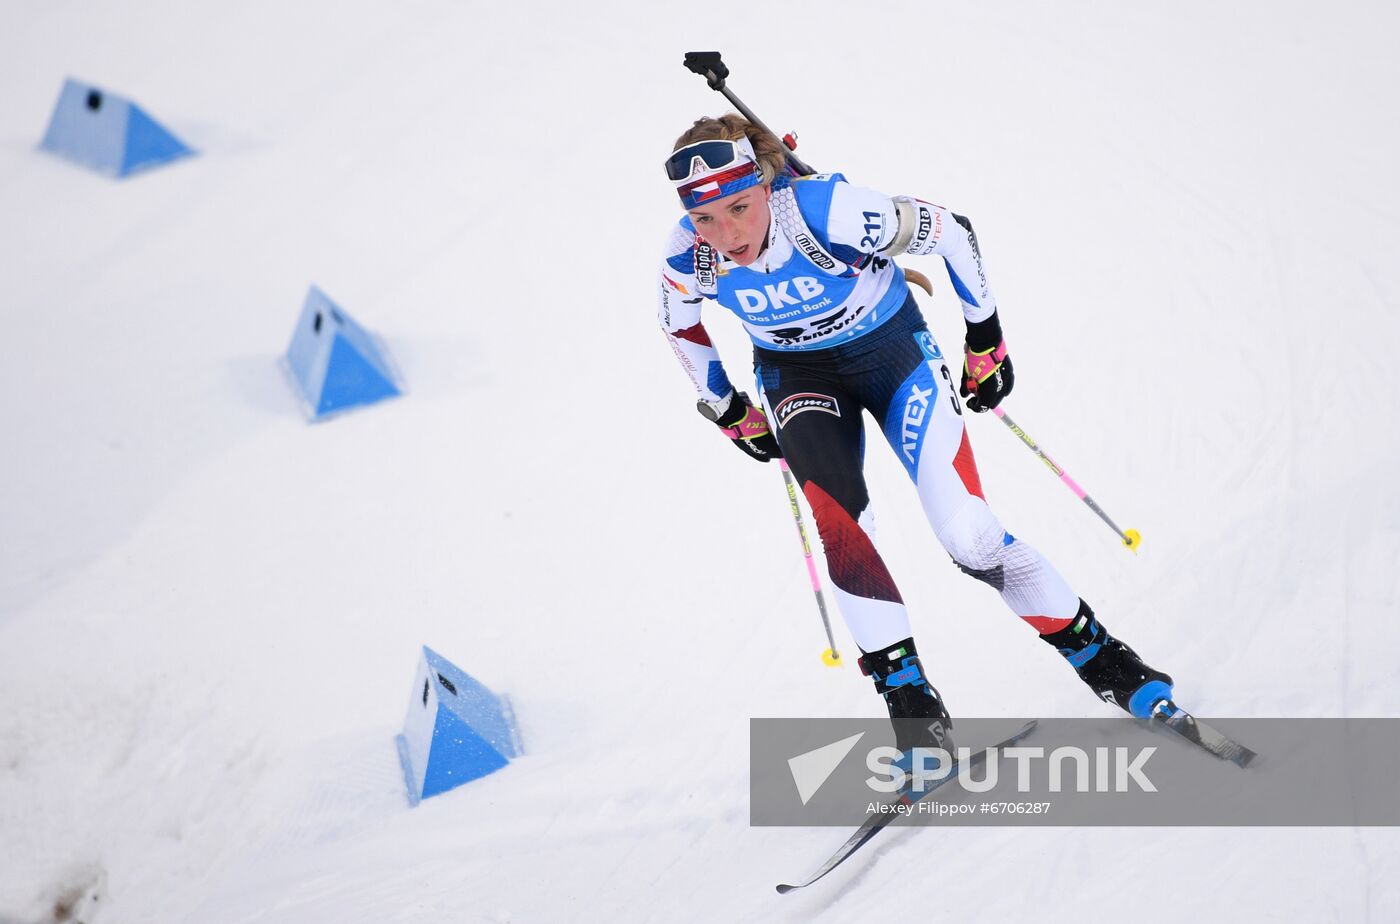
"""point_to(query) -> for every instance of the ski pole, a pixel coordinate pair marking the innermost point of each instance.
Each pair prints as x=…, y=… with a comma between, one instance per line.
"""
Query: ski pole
x=831, y=657
x=708, y=65
x=1131, y=538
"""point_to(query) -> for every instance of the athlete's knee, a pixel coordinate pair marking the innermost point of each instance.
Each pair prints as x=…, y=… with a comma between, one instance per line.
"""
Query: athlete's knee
x=852, y=560
x=835, y=498
x=974, y=537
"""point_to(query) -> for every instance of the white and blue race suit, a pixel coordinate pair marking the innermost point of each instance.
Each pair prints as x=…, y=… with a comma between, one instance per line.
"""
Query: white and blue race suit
x=837, y=332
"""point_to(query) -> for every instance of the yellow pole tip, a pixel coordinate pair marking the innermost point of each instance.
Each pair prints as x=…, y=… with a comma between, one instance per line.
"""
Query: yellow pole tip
x=831, y=658
x=1132, y=539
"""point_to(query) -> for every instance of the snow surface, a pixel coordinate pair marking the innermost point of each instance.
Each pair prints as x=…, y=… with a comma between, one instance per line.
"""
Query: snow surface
x=210, y=611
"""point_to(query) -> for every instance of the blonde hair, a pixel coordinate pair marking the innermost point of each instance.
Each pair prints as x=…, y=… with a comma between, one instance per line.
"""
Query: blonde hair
x=731, y=127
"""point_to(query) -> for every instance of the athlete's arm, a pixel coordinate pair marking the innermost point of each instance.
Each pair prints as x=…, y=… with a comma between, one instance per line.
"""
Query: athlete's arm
x=678, y=310
x=876, y=224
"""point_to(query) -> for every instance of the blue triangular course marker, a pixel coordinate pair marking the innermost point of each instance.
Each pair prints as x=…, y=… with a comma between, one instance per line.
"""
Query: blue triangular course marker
x=456, y=730
x=108, y=133
x=148, y=144
x=336, y=363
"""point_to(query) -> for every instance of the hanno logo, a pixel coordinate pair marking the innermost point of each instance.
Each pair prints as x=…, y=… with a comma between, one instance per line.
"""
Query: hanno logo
x=793, y=405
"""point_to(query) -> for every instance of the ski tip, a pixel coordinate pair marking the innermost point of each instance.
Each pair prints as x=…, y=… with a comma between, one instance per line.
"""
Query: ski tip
x=784, y=888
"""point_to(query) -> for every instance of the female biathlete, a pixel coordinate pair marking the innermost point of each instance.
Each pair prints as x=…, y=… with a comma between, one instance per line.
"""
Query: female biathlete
x=807, y=265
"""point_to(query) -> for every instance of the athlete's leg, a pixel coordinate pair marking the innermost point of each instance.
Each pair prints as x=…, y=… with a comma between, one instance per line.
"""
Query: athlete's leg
x=820, y=430
x=923, y=422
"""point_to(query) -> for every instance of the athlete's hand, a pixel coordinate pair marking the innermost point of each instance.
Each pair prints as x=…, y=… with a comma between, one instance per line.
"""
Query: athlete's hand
x=744, y=424
x=987, y=374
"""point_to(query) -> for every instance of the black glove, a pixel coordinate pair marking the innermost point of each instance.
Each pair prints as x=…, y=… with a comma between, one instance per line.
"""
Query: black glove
x=987, y=375
x=744, y=424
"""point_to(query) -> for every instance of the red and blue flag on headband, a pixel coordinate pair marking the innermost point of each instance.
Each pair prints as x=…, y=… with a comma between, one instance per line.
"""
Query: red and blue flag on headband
x=718, y=185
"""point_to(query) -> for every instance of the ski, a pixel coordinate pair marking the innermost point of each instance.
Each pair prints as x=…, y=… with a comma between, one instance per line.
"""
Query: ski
x=876, y=823
x=1168, y=715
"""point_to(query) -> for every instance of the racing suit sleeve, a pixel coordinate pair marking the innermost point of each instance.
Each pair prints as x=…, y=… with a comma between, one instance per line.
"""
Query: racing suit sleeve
x=678, y=310
x=879, y=225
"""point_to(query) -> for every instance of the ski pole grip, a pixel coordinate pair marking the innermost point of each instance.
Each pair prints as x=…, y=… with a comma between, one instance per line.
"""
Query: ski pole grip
x=708, y=65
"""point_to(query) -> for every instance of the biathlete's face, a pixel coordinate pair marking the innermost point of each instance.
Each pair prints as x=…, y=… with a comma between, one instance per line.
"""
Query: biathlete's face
x=736, y=225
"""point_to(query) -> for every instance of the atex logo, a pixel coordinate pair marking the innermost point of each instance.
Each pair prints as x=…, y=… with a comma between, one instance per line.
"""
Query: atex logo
x=793, y=405
x=915, y=410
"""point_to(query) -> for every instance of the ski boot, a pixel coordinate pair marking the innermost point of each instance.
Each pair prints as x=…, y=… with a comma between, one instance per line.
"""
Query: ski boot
x=1111, y=669
x=916, y=710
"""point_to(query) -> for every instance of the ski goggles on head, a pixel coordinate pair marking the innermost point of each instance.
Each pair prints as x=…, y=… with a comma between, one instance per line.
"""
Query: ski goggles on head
x=708, y=170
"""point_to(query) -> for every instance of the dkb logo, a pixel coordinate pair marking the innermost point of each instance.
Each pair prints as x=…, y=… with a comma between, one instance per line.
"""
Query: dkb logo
x=777, y=296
